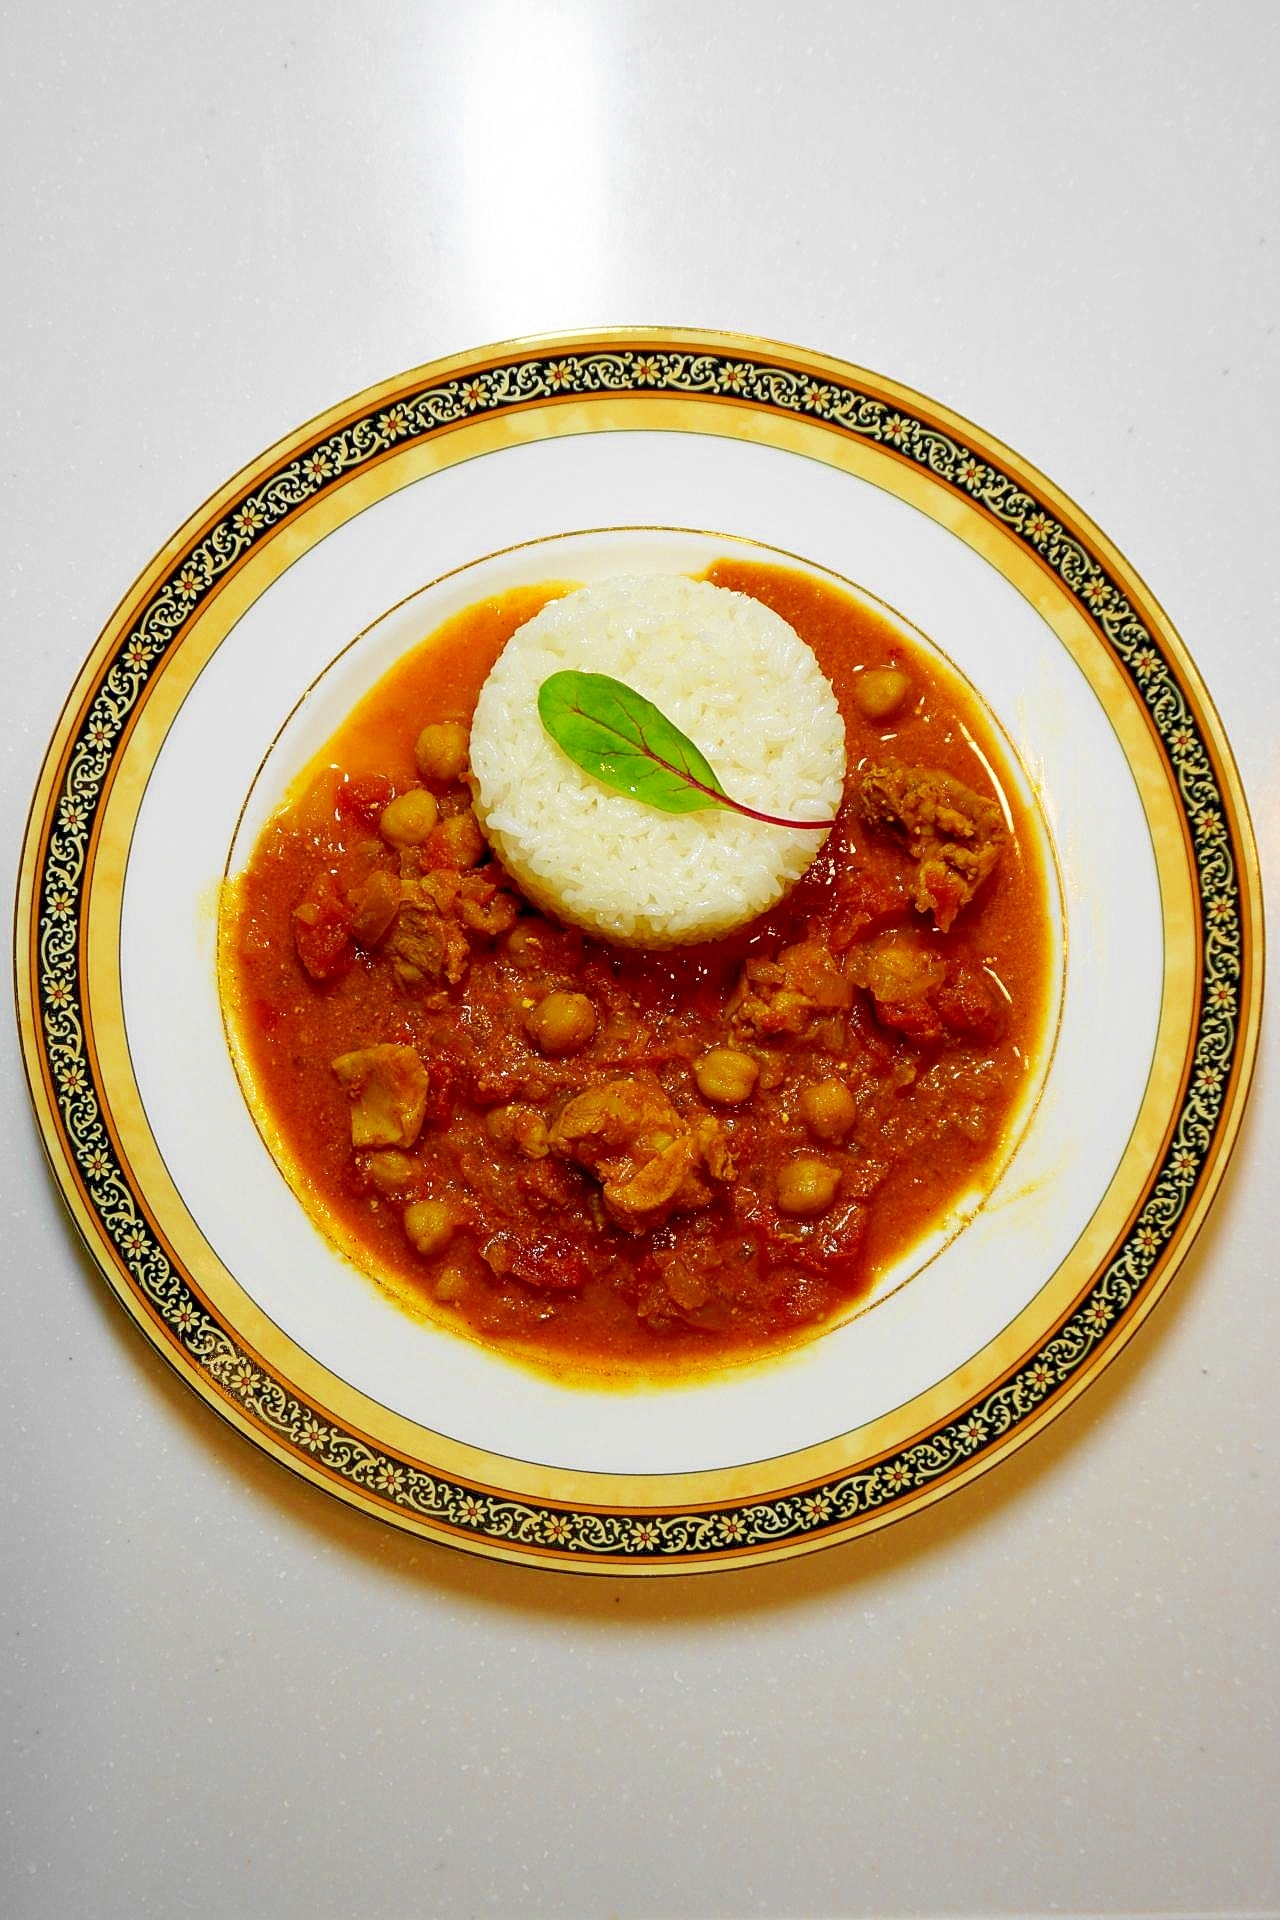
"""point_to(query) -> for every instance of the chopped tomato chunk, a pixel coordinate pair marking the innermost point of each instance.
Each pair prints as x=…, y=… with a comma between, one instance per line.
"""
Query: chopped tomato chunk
x=322, y=930
x=365, y=796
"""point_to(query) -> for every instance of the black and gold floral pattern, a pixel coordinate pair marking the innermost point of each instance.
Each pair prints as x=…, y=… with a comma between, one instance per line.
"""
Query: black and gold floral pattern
x=473, y=1514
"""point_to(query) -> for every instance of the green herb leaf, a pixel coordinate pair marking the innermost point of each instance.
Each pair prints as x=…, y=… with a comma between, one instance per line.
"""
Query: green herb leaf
x=614, y=733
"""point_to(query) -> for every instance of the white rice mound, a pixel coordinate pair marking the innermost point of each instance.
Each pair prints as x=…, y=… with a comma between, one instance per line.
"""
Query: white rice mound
x=739, y=682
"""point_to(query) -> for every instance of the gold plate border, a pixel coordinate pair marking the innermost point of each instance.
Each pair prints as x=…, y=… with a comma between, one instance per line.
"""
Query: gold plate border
x=144, y=664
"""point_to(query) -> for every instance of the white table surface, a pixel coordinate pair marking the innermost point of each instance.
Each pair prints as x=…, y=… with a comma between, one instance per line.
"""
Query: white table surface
x=222, y=1692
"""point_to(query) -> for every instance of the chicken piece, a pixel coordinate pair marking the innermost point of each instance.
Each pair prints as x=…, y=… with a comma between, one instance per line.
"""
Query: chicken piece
x=426, y=944
x=641, y=1198
x=387, y=1086
x=782, y=995
x=954, y=835
x=631, y=1117
x=648, y=1161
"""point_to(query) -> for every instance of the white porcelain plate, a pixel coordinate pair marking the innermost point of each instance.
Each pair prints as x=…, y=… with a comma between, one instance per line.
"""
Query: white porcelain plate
x=246, y=642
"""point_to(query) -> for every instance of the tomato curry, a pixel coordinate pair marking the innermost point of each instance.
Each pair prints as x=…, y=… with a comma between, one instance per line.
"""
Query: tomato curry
x=604, y=1160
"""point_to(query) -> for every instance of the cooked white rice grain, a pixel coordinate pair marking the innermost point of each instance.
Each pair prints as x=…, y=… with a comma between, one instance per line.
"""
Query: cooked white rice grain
x=739, y=682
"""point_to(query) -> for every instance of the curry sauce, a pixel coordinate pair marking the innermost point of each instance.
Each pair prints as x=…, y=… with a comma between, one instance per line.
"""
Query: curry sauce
x=604, y=1160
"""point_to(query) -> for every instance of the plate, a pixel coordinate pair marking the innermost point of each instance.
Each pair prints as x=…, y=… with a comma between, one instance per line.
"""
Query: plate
x=250, y=634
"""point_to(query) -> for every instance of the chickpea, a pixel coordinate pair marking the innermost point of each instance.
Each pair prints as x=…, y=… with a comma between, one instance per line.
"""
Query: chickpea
x=827, y=1108
x=562, y=1023
x=441, y=750
x=451, y=1285
x=726, y=1076
x=429, y=1225
x=391, y=1172
x=880, y=692
x=528, y=941
x=409, y=818
x=806, y=1185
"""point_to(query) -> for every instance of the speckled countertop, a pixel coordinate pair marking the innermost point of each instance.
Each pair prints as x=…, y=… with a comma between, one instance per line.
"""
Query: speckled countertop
x=222, y=1693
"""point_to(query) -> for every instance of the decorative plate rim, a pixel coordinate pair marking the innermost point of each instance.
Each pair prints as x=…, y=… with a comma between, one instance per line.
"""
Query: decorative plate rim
x=647, y=368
